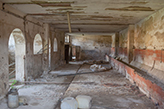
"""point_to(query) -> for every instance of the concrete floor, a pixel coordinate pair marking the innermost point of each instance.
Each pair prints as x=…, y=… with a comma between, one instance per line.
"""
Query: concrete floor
x=109, y=90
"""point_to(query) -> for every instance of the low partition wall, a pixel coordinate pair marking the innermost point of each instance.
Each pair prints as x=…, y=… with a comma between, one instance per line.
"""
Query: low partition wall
x=145, y=84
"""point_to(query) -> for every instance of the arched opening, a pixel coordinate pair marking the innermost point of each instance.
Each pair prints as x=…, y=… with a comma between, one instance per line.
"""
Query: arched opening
x=16, y=47
x=49, y=54
x=37, y=45
x=55, y=45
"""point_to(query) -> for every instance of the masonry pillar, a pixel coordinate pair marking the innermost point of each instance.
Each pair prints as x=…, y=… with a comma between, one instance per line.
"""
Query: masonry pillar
x=45, y=48
x=4, y=76
x=130, y=43
x=116, y=43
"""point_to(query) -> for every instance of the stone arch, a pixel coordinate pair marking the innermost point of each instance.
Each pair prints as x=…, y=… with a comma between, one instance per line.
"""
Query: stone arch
x=16, y=47
x=37, y=44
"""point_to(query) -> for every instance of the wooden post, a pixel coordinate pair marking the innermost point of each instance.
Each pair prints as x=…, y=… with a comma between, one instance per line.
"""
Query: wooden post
x=130, y=43
x=69, y=23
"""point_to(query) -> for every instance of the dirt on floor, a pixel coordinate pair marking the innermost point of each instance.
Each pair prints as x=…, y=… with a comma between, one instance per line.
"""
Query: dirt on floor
x=108, y=89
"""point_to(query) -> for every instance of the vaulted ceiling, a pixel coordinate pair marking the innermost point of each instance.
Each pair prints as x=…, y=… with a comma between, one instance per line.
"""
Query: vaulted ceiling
x=88, y=15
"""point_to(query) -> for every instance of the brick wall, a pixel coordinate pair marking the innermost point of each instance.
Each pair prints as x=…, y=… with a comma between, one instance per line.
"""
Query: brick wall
x=123, y=52
x=157, y=55
x=152, y=90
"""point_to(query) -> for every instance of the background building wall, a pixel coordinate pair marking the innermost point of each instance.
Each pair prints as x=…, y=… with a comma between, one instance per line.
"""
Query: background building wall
x=93, y=47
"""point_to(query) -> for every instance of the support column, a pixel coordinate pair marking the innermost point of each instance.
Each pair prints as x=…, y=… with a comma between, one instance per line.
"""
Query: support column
x=27, y=47
x=4, y=76
x=116, y=44
x=46, y=49
x=130, y=43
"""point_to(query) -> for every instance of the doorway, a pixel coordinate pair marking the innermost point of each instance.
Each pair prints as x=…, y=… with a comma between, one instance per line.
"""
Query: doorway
x=67, y=53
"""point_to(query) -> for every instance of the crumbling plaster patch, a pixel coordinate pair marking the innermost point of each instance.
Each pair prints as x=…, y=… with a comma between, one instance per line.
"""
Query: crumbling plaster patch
x=149, y=32
x=149, y=35
x=148, y=44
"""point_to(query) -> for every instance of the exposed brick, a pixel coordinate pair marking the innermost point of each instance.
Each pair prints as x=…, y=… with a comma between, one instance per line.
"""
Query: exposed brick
x=147, y=86
x=151, y=53
x=123, y=51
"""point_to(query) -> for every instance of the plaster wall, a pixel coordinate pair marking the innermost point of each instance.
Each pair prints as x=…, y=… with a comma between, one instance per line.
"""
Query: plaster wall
x=113, y=46
x=33, y=63
x=7, y=25
x=93, y=47
x=57, y=57
x=123, y=40
x=149, y=44
x=148, y=47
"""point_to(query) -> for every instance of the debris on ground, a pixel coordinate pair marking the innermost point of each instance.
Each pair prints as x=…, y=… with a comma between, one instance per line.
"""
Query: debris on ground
x=112, y=85
x=96, y=68
x=95, y=62
x=69, y=103
x=22, y=101
x=84, y=102
x=118, y=92
x=47, y=75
